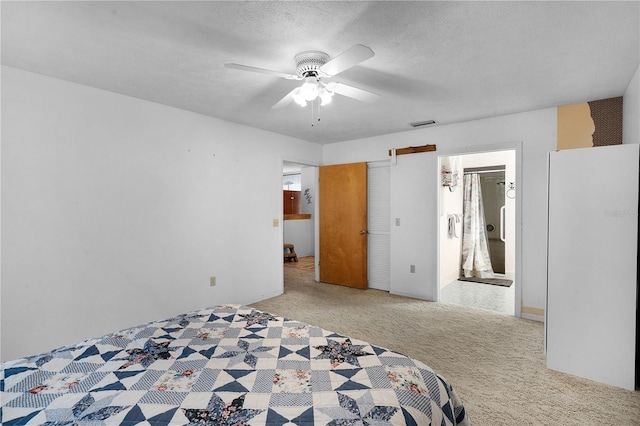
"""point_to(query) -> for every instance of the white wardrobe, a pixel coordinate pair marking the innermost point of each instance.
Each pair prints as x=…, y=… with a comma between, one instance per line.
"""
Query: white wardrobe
x=592, y=295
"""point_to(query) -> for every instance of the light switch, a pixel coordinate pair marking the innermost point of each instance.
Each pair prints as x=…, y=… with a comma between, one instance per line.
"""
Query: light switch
x=276, y=223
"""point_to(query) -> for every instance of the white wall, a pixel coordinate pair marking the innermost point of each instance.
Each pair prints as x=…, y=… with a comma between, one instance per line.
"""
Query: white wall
x=414, y=182
x=309, y=181
x=116, y=211
x=631, y=111
x=451, y=203
x=299, y=232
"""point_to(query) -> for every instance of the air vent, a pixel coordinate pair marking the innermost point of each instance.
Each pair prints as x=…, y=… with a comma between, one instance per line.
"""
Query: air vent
x=422, y=123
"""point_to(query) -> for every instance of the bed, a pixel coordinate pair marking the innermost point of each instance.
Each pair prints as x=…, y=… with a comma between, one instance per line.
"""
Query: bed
x=226, y=365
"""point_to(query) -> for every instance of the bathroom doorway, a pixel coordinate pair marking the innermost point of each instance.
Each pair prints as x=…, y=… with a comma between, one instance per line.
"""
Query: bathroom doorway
x=494, y=289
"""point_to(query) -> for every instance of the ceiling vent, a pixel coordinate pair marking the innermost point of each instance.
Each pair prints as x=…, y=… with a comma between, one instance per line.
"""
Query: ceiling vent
x=422, y=123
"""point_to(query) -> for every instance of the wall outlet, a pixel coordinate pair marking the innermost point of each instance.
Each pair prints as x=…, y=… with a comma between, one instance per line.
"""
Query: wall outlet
x=212, y=281
x=412, y=269
x=397, y=221
x=276, y=223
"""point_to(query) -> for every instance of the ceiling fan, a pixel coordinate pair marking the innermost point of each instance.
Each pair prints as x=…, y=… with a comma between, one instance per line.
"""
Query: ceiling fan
x=312, y=66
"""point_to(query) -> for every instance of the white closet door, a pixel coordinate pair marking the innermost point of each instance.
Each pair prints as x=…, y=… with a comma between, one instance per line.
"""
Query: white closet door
x=379, y=217
x=592, y=263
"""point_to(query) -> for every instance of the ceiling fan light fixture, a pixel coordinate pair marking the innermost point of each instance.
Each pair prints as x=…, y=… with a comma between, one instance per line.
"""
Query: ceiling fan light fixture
x=312, y=66
x=298, y=98
x=309, y=89
x=325, y=96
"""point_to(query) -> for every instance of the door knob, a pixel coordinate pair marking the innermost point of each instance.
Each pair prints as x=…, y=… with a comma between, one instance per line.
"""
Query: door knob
x=362, y=232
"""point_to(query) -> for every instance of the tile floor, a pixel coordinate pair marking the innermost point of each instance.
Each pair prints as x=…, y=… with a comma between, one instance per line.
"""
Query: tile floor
x=484, y=296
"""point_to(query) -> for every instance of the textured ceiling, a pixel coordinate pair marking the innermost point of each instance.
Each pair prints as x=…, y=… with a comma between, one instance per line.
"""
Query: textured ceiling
x=446, y=61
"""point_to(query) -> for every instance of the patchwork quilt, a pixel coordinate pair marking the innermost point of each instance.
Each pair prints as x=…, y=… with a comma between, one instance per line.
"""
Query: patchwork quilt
x=227, y=365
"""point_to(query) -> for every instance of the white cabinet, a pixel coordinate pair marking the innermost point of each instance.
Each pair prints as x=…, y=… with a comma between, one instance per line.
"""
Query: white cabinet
x=591, y=315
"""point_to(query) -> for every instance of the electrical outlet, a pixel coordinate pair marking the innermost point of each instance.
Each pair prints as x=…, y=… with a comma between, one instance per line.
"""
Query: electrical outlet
x=397, y=221
x=212, y=281
x=275, y=223
x=412, y=269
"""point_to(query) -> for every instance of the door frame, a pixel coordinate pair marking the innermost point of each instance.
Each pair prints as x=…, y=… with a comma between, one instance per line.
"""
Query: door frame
x=316, y=248
x=517, y=146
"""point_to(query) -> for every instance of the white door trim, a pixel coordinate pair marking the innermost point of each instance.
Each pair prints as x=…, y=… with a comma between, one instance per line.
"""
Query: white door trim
x=517, y=146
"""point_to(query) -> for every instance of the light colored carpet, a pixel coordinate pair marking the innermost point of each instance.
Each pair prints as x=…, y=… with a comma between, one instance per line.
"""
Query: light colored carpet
x=494, y=361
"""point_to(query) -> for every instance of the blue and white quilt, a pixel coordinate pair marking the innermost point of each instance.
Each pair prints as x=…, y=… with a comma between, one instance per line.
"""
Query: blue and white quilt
x=227, y=365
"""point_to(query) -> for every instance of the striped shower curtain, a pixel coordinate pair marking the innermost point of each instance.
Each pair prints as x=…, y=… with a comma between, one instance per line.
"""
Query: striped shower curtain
x=475, y=252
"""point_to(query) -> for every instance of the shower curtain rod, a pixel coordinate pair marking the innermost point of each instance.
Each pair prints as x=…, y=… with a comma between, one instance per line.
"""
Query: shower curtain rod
x=484, y=171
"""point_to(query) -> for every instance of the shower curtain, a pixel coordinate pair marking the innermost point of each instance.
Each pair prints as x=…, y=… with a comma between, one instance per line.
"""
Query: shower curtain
x=475, y=252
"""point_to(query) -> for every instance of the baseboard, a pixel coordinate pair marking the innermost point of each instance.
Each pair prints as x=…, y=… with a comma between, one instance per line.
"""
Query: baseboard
x=265, y=297
x=449, y=278
x=303, y=254
x=412, y=296
x=532, y=317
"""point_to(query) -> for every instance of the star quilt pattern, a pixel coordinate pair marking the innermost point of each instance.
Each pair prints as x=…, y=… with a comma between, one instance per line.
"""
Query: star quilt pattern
x=226, y=365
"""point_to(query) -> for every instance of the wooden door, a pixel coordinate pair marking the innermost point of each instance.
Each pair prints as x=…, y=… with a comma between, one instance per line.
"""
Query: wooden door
x=343, y=224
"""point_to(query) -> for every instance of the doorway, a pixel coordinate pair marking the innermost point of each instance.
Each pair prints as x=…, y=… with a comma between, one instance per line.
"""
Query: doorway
x=299, y=196
x=304, y=177
x=496, y=172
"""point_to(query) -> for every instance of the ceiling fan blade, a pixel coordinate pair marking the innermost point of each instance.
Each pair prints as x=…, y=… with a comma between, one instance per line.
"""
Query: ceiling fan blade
x=263, y=71
x=352, y=92
x=284, y=101
x=347, y=59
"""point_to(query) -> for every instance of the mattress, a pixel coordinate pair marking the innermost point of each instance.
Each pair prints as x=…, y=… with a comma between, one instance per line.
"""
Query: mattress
x=226, y=365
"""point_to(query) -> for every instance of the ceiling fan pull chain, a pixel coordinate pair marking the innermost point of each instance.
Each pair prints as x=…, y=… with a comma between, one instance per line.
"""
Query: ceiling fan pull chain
x=316, y=110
